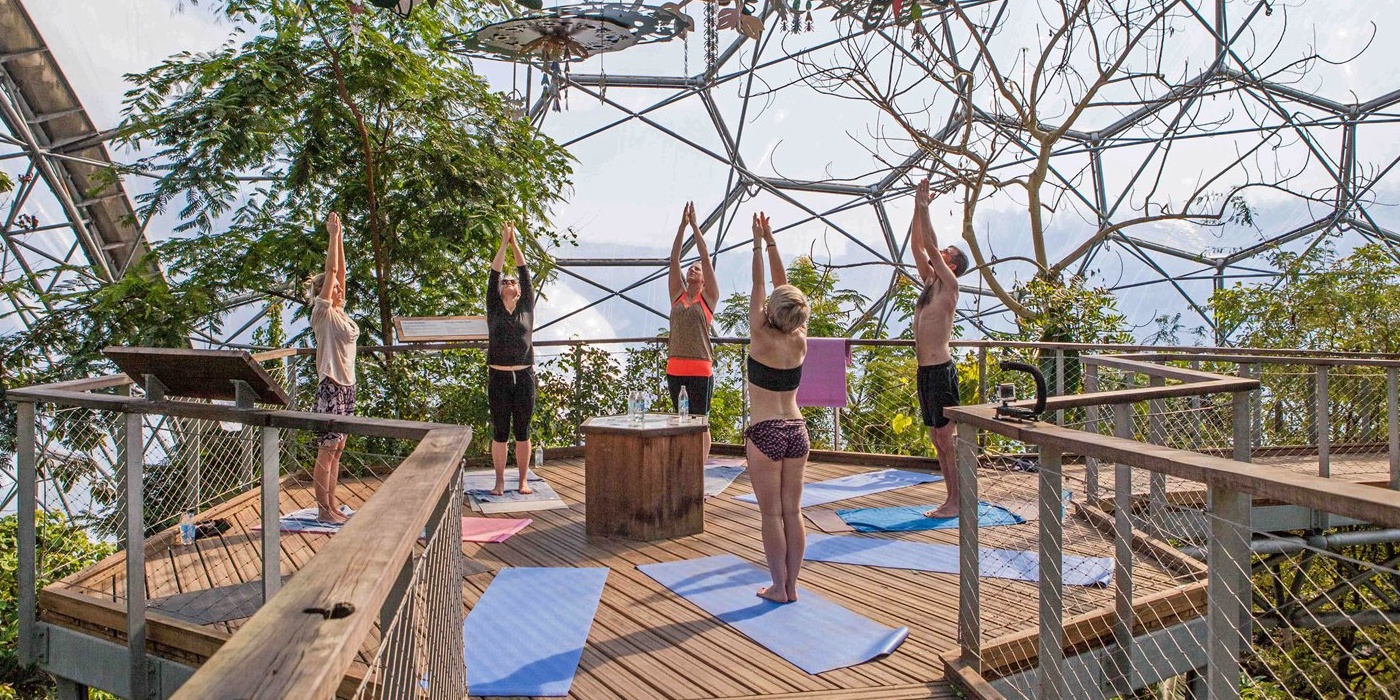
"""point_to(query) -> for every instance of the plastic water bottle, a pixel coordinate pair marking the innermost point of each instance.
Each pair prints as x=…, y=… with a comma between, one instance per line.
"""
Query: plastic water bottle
x=634, y=405
x=539, y=456
x=683, y=405
x=187, y=531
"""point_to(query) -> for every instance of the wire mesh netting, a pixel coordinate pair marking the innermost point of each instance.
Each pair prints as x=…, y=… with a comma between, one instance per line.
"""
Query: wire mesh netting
x=421, y=651
x=1323, y=593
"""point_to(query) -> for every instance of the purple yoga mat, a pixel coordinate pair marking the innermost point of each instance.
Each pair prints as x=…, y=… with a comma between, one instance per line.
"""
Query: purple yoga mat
x=824, y=373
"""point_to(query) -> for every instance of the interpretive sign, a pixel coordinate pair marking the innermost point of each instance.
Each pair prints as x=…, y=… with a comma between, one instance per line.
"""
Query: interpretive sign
x=424, y=329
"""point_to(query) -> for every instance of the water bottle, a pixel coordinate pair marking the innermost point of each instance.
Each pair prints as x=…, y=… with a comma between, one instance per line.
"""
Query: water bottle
x=187, y=528
x=634, y=405
x=683, y=405
x=539, y=456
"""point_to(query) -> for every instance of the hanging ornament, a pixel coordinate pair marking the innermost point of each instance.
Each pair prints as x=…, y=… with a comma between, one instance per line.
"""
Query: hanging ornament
x=796, y=16
x=711, y=40
x=602, y=83
x=741, y=19
x=553, y=86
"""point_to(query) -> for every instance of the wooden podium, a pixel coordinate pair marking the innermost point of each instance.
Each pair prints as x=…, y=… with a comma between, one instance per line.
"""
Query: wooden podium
x=644, y=480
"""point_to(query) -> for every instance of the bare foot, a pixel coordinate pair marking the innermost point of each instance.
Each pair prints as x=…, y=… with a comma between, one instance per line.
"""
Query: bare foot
x=333, y=517
x=772, y=597
x=525, y=488
x=500, y=489
x=947, y=510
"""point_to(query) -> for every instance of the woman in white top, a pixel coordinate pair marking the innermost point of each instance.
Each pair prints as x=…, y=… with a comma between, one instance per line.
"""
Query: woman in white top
x=335, y=367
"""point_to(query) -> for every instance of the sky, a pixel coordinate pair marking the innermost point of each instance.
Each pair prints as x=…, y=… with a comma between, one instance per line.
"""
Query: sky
x=631, y=181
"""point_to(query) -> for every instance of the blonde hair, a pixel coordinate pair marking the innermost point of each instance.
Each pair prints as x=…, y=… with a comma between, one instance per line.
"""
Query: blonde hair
x=787, y=309
x=312, y=286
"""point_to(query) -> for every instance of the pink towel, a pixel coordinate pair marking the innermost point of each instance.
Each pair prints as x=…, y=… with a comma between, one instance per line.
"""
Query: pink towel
x=491, y=529
x=824, y=373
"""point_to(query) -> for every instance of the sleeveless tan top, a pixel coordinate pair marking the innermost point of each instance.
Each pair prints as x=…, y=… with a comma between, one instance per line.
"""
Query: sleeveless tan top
x=689, y=353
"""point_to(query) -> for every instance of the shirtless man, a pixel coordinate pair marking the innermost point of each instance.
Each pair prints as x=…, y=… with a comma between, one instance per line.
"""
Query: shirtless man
x=933, y=328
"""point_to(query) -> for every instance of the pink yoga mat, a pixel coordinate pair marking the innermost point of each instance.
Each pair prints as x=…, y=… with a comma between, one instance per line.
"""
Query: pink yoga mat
x=824, y=373
x=491, y=529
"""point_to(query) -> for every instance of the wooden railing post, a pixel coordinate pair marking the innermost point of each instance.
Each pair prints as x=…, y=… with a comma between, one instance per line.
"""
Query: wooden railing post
x=1156, y=482
x=1091, y=424
x=1060, y=383
x=1120, y=674
x=969, y=553
x=1392, y=401
x=271, y=533
x=1243, y=450
x=133, y=468
x=1228, y=590
x=1050, y=676
x=27, y=474
x=1324, y=425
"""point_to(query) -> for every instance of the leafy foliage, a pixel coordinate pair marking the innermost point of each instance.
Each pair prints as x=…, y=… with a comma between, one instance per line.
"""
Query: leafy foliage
x=63, y=549
x=310, y=109
x=423, y=161
x=1321, y=302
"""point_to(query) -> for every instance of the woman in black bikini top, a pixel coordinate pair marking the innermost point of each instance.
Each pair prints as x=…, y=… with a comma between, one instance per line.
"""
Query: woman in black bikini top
x=777, y=442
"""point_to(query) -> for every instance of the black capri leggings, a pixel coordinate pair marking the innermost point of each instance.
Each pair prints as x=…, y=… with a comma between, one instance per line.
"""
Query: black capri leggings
x=512, y=398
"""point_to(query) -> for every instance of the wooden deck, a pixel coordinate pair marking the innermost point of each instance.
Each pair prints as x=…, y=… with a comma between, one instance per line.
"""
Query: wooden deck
x=645, y=641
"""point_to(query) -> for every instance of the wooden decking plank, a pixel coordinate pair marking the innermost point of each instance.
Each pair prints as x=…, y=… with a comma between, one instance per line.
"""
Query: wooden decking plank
x=691, y=547
x=828, y=583
x=732, y=527
x=694, y=620
x=647, y=642
x=685, y=548
x=586, y=685
x=632, y=633
x=927, y=691
x=745, y=538
x=635, y=631
x=644, y=594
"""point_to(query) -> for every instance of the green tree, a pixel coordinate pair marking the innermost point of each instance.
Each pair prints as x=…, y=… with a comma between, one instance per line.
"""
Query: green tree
x=353, y=113
x=1321, y=302
x=311, y=109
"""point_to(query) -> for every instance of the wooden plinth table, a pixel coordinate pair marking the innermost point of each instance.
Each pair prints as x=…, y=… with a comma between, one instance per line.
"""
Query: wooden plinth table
x=644, y=480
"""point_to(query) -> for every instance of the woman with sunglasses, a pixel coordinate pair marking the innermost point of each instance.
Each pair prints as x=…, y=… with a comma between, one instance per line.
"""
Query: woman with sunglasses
x=510, y=361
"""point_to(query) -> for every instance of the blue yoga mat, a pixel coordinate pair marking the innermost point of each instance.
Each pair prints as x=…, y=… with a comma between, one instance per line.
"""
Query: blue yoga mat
x=943, y=558
x=911, y=518
x=841, y=488
x=719, y=477
x=813, y=634
x=526, y=634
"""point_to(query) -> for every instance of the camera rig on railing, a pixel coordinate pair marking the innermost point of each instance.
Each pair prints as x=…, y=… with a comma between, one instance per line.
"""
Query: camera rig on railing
x=1006, y=393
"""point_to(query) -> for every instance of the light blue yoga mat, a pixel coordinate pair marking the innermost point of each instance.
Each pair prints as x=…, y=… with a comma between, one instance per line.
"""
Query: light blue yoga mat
x=911, y=518
x=813, y=634
x=526, y=634
x=943, y=558
x=841, y=488
x=719, y=477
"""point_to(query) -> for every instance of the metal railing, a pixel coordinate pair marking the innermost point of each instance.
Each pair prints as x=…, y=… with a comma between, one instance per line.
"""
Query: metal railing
x=1147, y=476
x=1305, y=609
x=172, y=456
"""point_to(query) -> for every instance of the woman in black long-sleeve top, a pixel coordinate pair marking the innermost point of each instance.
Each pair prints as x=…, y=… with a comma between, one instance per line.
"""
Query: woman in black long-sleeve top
x=510, y=361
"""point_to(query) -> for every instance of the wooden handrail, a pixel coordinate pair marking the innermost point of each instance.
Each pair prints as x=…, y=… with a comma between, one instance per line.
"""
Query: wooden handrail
x=1136, y=363
x=1186, y=351
x=294, y=420
x=285, y=652
x=1361, y=502
x=1246, y=357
